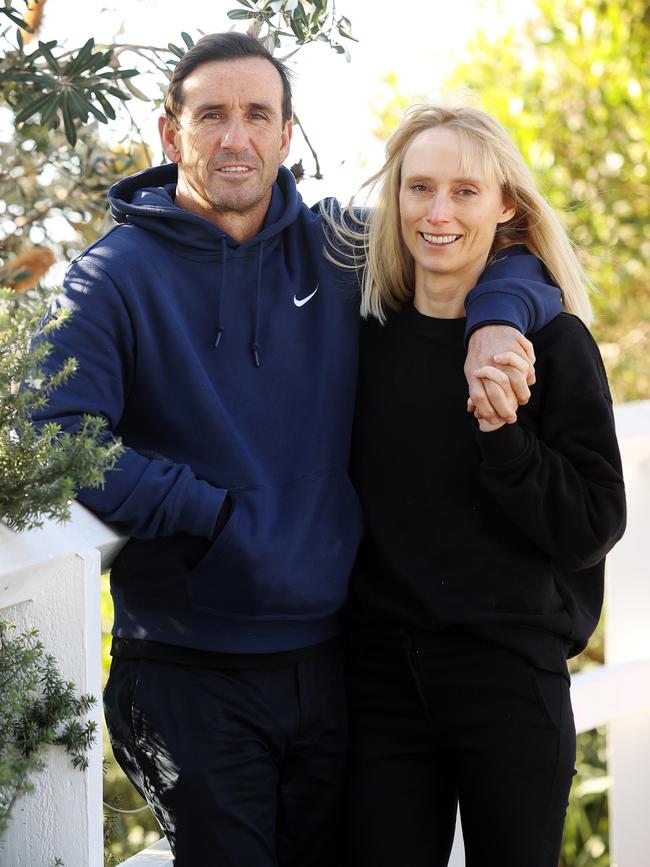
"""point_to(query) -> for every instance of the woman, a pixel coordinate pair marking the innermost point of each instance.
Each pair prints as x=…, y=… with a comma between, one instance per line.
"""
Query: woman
x=482, y=569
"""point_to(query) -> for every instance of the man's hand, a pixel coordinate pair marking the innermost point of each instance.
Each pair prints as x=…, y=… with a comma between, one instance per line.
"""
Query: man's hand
x=506, y=347
x=492, y=375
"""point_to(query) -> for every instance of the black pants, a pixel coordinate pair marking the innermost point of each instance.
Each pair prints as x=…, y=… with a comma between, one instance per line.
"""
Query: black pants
x=451, y=721
x=242, y=768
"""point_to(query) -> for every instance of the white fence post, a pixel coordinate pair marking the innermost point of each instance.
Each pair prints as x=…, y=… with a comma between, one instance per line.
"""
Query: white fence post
x=627, y=640
x=49, y=578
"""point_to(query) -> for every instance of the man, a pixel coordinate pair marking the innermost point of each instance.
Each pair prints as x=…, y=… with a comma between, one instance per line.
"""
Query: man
x=220, y=344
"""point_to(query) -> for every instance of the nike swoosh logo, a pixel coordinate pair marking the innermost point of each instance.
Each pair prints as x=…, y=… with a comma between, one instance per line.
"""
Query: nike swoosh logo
x=301, y=301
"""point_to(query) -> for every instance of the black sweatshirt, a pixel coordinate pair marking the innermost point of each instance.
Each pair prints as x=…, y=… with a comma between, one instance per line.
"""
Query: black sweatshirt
x=502, y=533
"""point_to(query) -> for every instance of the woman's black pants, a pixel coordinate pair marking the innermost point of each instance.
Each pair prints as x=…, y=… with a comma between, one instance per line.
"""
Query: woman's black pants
x=453, y=720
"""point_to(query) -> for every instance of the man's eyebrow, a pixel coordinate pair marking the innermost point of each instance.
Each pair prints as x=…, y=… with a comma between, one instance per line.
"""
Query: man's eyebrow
x=262, y=106
x=221, y=106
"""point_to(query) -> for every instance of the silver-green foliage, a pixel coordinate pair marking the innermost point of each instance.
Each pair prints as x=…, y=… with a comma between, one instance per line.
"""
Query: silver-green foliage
x=40, y=467
x=37, y=708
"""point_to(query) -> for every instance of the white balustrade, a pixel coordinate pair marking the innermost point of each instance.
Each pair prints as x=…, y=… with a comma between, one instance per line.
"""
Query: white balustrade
x=50, y=579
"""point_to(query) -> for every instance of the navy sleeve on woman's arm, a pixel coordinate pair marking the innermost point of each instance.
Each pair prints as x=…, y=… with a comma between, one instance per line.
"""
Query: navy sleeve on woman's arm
x=515, y=289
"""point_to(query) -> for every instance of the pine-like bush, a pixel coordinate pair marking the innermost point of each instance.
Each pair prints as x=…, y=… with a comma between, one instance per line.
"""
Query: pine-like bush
x=37, y=708
x=40, y=467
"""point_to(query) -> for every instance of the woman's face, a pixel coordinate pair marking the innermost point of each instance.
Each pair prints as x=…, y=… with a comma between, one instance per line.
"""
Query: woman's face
x=448, y=218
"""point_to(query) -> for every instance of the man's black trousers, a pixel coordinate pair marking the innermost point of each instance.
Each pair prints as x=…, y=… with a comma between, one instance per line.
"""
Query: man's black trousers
x=242, y=767
x=447, y=720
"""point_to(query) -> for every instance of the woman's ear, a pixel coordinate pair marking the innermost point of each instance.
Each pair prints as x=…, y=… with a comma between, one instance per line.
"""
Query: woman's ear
x=508, y=209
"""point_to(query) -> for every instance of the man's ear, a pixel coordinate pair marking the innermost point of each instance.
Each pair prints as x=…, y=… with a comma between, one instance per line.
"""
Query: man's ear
x=167, y=130
x=285, y=144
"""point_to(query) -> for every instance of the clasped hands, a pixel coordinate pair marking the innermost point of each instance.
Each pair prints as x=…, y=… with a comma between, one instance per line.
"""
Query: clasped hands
x=499, y=369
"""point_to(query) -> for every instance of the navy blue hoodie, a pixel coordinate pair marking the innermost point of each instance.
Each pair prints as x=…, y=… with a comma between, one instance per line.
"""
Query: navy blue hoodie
x=226, y=368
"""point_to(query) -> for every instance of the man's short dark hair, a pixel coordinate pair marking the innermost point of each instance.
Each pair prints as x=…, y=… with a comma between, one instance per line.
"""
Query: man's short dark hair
x=223, y=46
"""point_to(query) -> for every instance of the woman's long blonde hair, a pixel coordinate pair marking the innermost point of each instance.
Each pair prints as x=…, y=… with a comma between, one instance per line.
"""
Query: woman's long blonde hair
x=371, y=241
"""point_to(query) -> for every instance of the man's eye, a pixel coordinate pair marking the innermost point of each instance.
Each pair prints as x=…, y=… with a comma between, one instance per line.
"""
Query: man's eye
x=256, y=115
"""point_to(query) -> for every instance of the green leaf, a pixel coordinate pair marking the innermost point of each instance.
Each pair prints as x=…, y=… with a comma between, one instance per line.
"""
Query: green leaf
x=122, y=73
x=175, y=50
x=17, y=19
x=187, y=39
x=48, y=113
x=101, y=117
x=240, y=15
x=118, y=94
x=297, y=32
x=32, y=77
x=316, y=18
x=76, y=105
x=68, y=122
x=344, y=27
x=52, y=62
x=300, y=15
x=33, y=107
x=79, y=61
x=109, y=111
x=135, y=91
x=99, y=60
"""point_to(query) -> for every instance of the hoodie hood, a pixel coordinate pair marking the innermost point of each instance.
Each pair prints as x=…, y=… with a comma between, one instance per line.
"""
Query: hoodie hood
x=146, y=199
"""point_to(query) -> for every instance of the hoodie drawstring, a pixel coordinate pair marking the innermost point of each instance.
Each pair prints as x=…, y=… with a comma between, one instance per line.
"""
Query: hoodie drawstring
x=255, y=345
x=220, y=288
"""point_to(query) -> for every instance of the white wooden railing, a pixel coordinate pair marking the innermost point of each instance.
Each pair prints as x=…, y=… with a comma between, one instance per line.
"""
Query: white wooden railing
x=49, y=578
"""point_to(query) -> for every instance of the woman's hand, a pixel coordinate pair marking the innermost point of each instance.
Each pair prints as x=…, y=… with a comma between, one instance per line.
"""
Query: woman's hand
x=510, y=351
x=511, y=368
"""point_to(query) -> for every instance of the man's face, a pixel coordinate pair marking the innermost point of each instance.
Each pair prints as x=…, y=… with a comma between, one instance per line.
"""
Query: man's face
x=230, y=139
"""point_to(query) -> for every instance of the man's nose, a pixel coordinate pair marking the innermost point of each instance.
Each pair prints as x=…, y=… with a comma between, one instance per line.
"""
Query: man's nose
x=235, y=137
x=438, y=211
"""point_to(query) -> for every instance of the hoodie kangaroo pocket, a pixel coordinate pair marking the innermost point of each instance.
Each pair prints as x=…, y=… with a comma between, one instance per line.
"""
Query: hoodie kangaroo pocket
x=286, y=551
x=157, y=568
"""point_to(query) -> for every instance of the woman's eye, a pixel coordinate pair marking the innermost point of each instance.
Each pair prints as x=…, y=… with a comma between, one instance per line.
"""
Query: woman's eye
x=467, y=192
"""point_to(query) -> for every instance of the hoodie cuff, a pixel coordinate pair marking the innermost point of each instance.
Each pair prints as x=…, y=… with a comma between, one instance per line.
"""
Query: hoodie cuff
x=199, y=512
x=503, y=445
x=497, y=308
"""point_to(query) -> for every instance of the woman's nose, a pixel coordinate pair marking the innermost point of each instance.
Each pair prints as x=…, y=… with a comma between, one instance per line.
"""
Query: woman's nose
x=438, y=211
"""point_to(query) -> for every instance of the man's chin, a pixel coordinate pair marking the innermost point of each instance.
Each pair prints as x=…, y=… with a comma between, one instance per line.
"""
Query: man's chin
x=237, y=202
